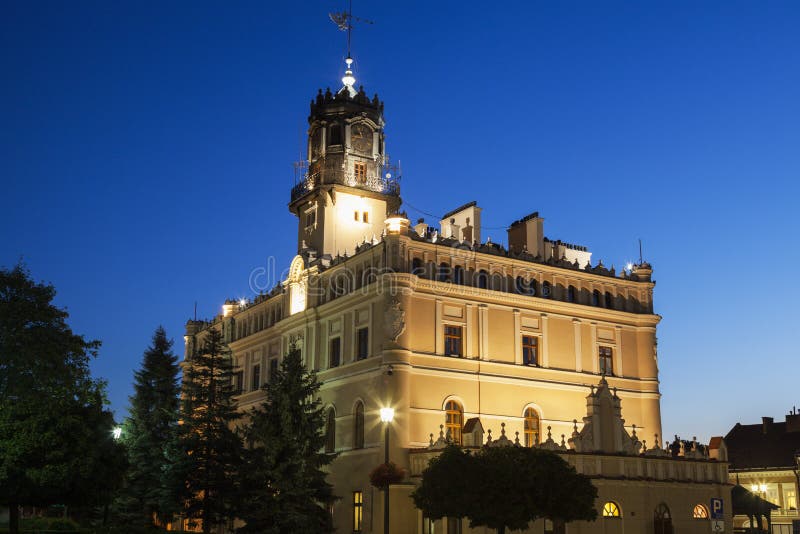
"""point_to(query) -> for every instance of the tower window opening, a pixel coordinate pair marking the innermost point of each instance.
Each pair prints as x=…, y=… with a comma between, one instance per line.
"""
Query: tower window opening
x=365, y=217
x=360, y=172
x=335, y=137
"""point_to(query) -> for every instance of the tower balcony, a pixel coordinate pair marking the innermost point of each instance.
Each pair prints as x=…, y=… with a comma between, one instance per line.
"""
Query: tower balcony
x=380, y=177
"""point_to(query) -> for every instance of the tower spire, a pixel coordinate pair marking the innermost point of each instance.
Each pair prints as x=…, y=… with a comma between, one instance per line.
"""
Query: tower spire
x=344, y=21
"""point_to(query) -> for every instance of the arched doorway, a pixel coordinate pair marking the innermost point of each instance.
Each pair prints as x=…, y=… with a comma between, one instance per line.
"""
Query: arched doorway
x=662, y=520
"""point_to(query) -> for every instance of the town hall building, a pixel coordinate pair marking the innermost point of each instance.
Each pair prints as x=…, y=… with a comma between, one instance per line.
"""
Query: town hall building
x=527, y=343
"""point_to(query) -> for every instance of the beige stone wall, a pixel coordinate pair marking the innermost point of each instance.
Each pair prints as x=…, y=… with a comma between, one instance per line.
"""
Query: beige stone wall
x=489, y=381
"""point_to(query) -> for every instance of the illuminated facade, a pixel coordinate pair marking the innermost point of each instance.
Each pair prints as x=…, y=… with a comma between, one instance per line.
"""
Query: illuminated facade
x=450, y=331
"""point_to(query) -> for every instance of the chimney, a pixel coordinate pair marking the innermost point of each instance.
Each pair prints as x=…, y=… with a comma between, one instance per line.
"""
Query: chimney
x=527, y=234
x=766, y=424
x=793, y=421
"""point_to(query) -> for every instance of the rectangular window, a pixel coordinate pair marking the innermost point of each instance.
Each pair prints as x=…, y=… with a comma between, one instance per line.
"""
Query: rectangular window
x=335, y=352
x=238, y=385
x=355, y=216
x=606, y=355
x=360, y=172
x=453, y=525
x=358, y=510
x=530, y=350
x=311, y=218
x=789, y=497
x=273, y=368
x=256, y=377
x=362, y=344
x=365, y=217
x=452, y=340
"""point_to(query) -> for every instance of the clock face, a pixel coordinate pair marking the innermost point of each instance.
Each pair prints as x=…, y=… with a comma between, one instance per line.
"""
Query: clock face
x=361, y=137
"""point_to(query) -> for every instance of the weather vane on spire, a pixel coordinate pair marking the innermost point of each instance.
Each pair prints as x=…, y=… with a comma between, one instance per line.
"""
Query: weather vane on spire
x=344, y=21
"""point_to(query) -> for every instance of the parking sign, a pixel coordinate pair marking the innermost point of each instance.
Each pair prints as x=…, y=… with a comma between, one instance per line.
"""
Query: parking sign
x=716, y=509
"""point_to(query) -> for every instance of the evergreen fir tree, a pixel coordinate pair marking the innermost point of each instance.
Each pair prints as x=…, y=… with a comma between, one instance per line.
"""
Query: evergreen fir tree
x=147, y=433
x=208, y=450
x=285, y=486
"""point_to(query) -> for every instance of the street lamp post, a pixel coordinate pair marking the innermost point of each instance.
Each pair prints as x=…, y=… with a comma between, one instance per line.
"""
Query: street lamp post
x=387, y=415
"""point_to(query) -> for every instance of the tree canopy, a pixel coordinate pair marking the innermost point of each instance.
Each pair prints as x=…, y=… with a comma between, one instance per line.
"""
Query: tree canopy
x=56, y=444
x=286, y=490
x=504, y=488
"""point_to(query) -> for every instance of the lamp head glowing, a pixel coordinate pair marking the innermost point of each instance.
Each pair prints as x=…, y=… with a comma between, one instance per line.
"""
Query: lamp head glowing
x=242, y=303
x=117, y=432
x=629, y=266
x=387, y=415
x=763, y=488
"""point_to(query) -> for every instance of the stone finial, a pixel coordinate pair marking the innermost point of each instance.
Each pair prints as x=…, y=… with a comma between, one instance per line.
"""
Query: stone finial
x=563, y=441
x=644, y=445
x=430, y=444
x=516, y=439
x=503, y=429
x=574, y=427
x=489, y=436
x=549, y=435
x=633, y=434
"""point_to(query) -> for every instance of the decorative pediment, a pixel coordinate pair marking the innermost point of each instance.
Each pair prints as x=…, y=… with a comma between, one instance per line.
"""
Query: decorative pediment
x=603, y=427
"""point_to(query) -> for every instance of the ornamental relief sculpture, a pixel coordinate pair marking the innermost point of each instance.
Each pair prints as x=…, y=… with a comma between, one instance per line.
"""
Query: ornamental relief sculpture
x=393, y=318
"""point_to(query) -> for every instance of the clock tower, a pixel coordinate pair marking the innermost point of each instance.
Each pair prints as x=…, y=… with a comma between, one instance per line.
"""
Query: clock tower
x=345, y=188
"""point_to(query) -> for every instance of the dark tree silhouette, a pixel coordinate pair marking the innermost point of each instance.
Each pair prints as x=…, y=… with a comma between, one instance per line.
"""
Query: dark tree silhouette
x=208, y=451
x=147, y=433
x=56, y=444
x=504, y=488
x=286, y=490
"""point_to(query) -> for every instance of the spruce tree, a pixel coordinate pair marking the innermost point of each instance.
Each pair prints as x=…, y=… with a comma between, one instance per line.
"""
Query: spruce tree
x=148, y=432
x=285, y=486
x=208, y=450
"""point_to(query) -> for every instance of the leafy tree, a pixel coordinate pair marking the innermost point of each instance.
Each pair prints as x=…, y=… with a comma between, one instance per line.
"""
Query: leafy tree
x=286, y=490
x=56, y=443
x=447, y=485
x=208, y=451
x=149, y=429
x=504, y=488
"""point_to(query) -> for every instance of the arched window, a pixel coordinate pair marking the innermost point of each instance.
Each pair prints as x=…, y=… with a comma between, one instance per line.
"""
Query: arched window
x=571, y=294
x=416, y=267
x=700, y=512
x=454, y=420
x=458, y=275
x=531, y=427
x=335, y=135
x=547, y=290
x=358, y=426
x=611, y=509
x=662, y=520
x=595, y=298
x=609, y=301
x=330, y=431
x=482, y=279
x=443, y=273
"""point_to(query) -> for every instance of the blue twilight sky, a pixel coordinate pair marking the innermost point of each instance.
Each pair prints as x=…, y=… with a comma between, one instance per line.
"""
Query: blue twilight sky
x=146, y=154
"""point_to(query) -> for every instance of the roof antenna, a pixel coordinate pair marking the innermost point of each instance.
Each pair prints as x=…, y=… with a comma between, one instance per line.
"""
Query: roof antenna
x=195, y=311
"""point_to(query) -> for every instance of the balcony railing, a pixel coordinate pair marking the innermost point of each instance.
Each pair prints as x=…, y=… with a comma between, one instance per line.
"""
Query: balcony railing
x=383, y=178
